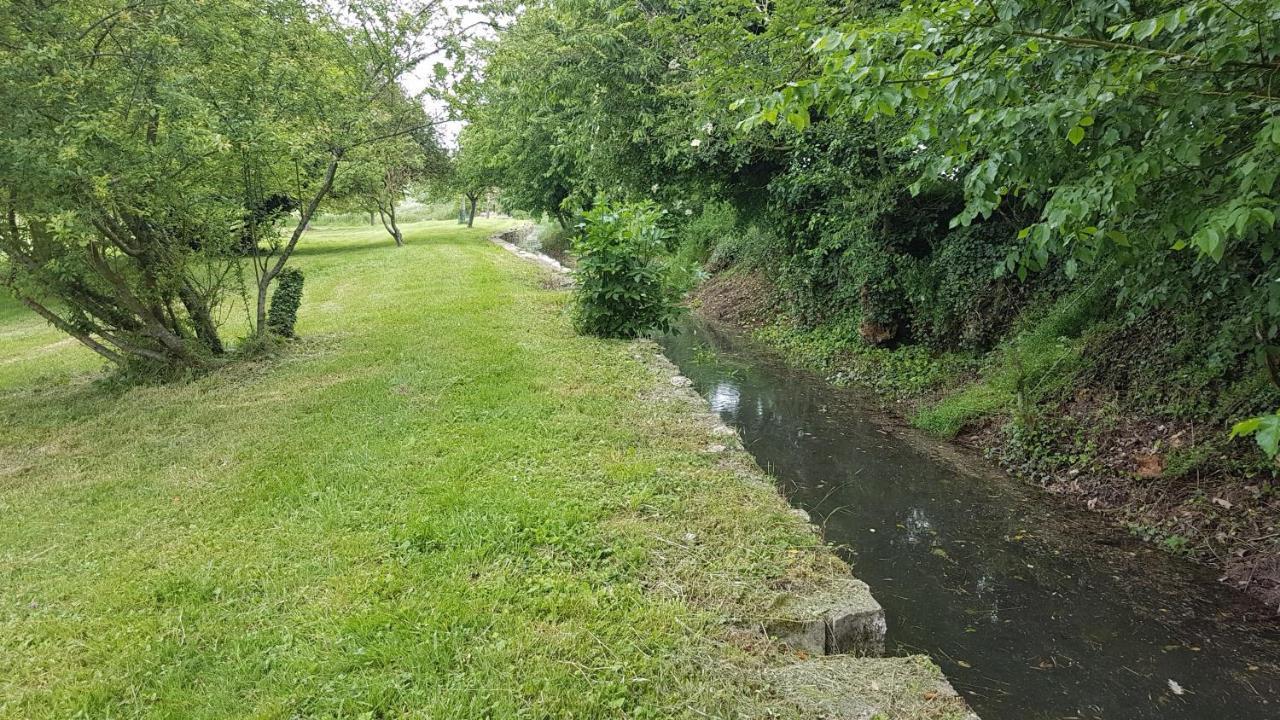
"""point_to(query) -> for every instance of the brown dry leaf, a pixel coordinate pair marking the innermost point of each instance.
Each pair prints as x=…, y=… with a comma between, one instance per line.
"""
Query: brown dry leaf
x=1150, y=465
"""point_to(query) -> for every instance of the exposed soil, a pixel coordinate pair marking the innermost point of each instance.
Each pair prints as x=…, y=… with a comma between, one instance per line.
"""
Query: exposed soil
x=1126, y=468
x=1153, y=476
x=739, y=299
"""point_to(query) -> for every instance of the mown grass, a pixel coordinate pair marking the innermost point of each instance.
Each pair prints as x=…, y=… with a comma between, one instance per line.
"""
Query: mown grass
x=439, y=503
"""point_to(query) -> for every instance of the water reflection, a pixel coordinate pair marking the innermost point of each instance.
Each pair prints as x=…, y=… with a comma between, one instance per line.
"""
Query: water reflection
x=723, y=398
x=1030, y=609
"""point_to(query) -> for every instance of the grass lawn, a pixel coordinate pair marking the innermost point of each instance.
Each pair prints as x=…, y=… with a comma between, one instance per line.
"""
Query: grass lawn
x=440, y=503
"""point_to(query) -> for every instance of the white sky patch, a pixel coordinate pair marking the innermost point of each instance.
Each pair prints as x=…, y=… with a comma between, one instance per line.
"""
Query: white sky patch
x=471, y=22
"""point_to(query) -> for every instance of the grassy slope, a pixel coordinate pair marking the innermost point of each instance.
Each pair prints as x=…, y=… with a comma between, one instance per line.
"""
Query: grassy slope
x=440, y=503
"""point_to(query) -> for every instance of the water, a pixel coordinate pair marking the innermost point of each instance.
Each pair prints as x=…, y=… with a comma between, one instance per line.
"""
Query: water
x=1032, y=609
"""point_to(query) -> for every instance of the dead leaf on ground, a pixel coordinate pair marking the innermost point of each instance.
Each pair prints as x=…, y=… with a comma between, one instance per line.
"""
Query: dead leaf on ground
x=1149, y=465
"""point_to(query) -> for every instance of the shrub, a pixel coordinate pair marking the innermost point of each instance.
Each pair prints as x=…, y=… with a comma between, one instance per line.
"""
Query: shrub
x=750, y=248
x=624, y=289
x=714, y=225
x=284, y=302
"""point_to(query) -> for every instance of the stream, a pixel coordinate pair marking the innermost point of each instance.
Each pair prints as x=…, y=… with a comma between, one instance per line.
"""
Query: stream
x=1033, y=609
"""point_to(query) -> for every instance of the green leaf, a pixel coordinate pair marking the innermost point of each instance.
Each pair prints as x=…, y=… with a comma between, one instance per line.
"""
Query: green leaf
x=1145, y=29
x=1246, y=427
x=1076, y=135
x=1268, y=436
x=799, y=119
x=1265, y=429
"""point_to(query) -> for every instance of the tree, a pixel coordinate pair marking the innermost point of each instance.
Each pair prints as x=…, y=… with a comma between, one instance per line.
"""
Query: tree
x=581, y=97
x=1136, y=131
x=1142, y=137
x=144, y=142
x=473, y=171
x=380, y=177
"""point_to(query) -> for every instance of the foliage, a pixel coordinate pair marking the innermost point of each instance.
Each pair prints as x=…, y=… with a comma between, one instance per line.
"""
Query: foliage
x=285, y=302
x=474, y=173
x=146, y=148
x=1132, y=131
x=379, y=176
x=623, y=288
x=919, y=175
x=714, y=225
x=1265, y=429
x=1044, y=77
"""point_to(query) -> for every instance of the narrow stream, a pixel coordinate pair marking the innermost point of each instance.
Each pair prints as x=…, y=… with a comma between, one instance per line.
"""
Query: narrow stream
x=1033, y=610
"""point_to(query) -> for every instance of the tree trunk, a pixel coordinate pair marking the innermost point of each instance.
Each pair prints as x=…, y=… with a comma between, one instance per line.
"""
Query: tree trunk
x=198, y=309
x=309, y=210
x=260, y=328
x=471, y=209
x=370, y=218
x=388, y=215
x=395, y=229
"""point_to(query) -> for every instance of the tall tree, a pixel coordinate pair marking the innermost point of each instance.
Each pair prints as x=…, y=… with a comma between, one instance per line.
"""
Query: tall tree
x=146, y=142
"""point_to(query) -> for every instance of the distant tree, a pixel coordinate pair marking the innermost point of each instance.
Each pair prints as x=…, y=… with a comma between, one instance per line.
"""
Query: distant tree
x=379, y=177
x=474, y=175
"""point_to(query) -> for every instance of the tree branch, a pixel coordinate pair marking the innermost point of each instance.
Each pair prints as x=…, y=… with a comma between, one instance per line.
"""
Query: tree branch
x=1113, y=45
x=66, y=327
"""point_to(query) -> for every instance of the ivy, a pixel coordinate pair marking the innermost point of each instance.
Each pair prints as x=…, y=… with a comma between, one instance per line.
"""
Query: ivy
x=285, y=301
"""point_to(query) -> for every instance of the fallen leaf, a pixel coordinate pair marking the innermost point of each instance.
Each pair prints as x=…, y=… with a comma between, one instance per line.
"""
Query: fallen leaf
x=1176, y=688
x=1150, y=465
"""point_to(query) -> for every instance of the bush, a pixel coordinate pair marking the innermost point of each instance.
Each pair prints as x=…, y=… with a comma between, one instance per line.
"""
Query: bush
x=708, y=230
x=283, y=314
x=750, y=248
x=624, y=289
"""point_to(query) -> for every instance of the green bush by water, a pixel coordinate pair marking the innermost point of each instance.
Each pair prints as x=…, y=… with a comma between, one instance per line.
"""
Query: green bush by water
x=624, y=288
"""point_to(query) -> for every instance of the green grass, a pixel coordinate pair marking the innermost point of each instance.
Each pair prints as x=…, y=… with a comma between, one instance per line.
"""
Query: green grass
x=950, y=390
x=901, y=373
x=1037, y=361
x=440, y=503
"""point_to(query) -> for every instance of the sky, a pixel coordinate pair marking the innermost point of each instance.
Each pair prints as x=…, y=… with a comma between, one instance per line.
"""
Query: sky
x=421, y=77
